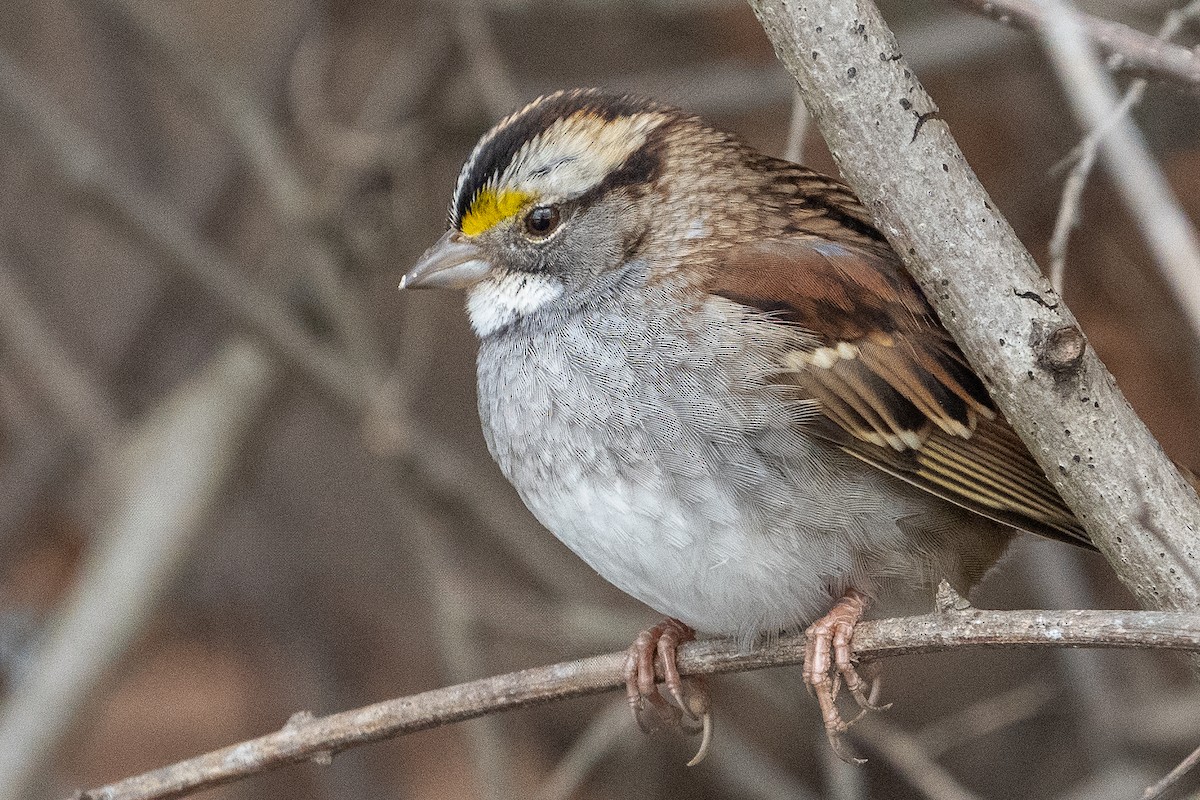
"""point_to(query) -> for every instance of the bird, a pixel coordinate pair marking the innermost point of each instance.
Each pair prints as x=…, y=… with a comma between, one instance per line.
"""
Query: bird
x=706, y=372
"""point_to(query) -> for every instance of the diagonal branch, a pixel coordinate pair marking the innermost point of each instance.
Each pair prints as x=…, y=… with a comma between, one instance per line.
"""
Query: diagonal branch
x=1139, y=180
x=307, y=738
x=166, y=477
x=894, y=149
x=1104, y=121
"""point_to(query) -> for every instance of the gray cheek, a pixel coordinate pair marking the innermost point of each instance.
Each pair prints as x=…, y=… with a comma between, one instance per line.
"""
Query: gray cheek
x=596, y=242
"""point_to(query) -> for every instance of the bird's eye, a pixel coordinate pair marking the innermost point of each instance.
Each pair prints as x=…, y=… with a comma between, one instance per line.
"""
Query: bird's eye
x=541, y=221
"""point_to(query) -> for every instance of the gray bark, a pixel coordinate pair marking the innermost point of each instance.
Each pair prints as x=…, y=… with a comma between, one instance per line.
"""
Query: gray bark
x=309, y=738
x=898, y=154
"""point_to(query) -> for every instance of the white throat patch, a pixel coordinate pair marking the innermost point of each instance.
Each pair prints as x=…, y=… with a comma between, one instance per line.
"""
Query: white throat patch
x=502, y=299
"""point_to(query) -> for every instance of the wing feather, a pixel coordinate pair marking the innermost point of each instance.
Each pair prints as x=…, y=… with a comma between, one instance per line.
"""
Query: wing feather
x=895, y=390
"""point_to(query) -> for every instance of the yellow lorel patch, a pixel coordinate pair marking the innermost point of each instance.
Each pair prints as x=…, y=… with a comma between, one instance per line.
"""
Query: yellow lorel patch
x=491, y=207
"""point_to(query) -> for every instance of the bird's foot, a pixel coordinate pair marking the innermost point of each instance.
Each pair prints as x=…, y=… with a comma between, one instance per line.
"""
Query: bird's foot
x=690, y=710
x=829, y=665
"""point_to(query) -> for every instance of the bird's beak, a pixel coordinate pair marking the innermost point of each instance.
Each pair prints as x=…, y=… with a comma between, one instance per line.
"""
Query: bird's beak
x=454, y=262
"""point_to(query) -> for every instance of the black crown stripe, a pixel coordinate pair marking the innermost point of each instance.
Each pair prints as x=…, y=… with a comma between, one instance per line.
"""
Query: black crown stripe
x=498, y=148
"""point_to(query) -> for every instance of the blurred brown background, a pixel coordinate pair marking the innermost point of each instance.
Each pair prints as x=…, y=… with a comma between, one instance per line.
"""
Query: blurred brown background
x=251, y=470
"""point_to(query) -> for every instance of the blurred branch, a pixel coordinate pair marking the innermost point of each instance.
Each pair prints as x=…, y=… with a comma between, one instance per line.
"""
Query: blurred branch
x=172, y=469
x=729, y=86
x=490, y=75
x=1165, y=227
x=747, y=772
x=260, y=142
x=308, y=738
x=67, y=389
x=161, y=226
x=33, y=460
x=150, y=30
x=906, y=755
x=1138, y=52
x=1057, y=579
x=985, y=716
x=894, y=149
x=842, y=781
x=452, y=603
x=607, y=729
x=441, y=467
x=797, y=129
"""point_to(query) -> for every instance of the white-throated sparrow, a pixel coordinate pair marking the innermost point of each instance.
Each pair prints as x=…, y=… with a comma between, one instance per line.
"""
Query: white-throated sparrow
x=707, y=373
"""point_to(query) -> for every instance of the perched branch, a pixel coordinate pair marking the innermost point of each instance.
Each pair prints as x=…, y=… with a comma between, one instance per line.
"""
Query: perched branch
x=1138, y=52
x=307, y=738
x=897, y=153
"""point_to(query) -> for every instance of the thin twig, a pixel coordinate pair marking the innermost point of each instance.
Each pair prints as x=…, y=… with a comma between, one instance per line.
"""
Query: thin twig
x=1165, y=228
x=1173, y=777
x=306, y=737
x=1070, y=206
x=1139, y=52
x=1084, y=155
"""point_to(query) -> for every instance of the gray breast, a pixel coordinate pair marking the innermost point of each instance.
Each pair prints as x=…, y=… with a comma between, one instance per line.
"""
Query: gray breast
x=665, y=458
x=624, y=394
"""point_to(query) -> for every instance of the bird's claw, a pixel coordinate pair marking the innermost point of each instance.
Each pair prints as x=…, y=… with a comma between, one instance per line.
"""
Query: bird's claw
x=690, y=710
x=829, y=665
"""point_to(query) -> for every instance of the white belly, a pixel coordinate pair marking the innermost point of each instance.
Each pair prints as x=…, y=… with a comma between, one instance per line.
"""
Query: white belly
x=701, y=563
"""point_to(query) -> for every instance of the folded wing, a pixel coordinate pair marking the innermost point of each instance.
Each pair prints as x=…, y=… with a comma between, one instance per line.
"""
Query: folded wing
x=895, y=389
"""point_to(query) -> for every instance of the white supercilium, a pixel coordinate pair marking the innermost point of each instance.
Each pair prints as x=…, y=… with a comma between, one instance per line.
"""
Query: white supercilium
x=569, y=157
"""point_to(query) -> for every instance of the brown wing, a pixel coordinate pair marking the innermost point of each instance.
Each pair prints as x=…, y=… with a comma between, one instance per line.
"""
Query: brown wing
x=896, y=390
